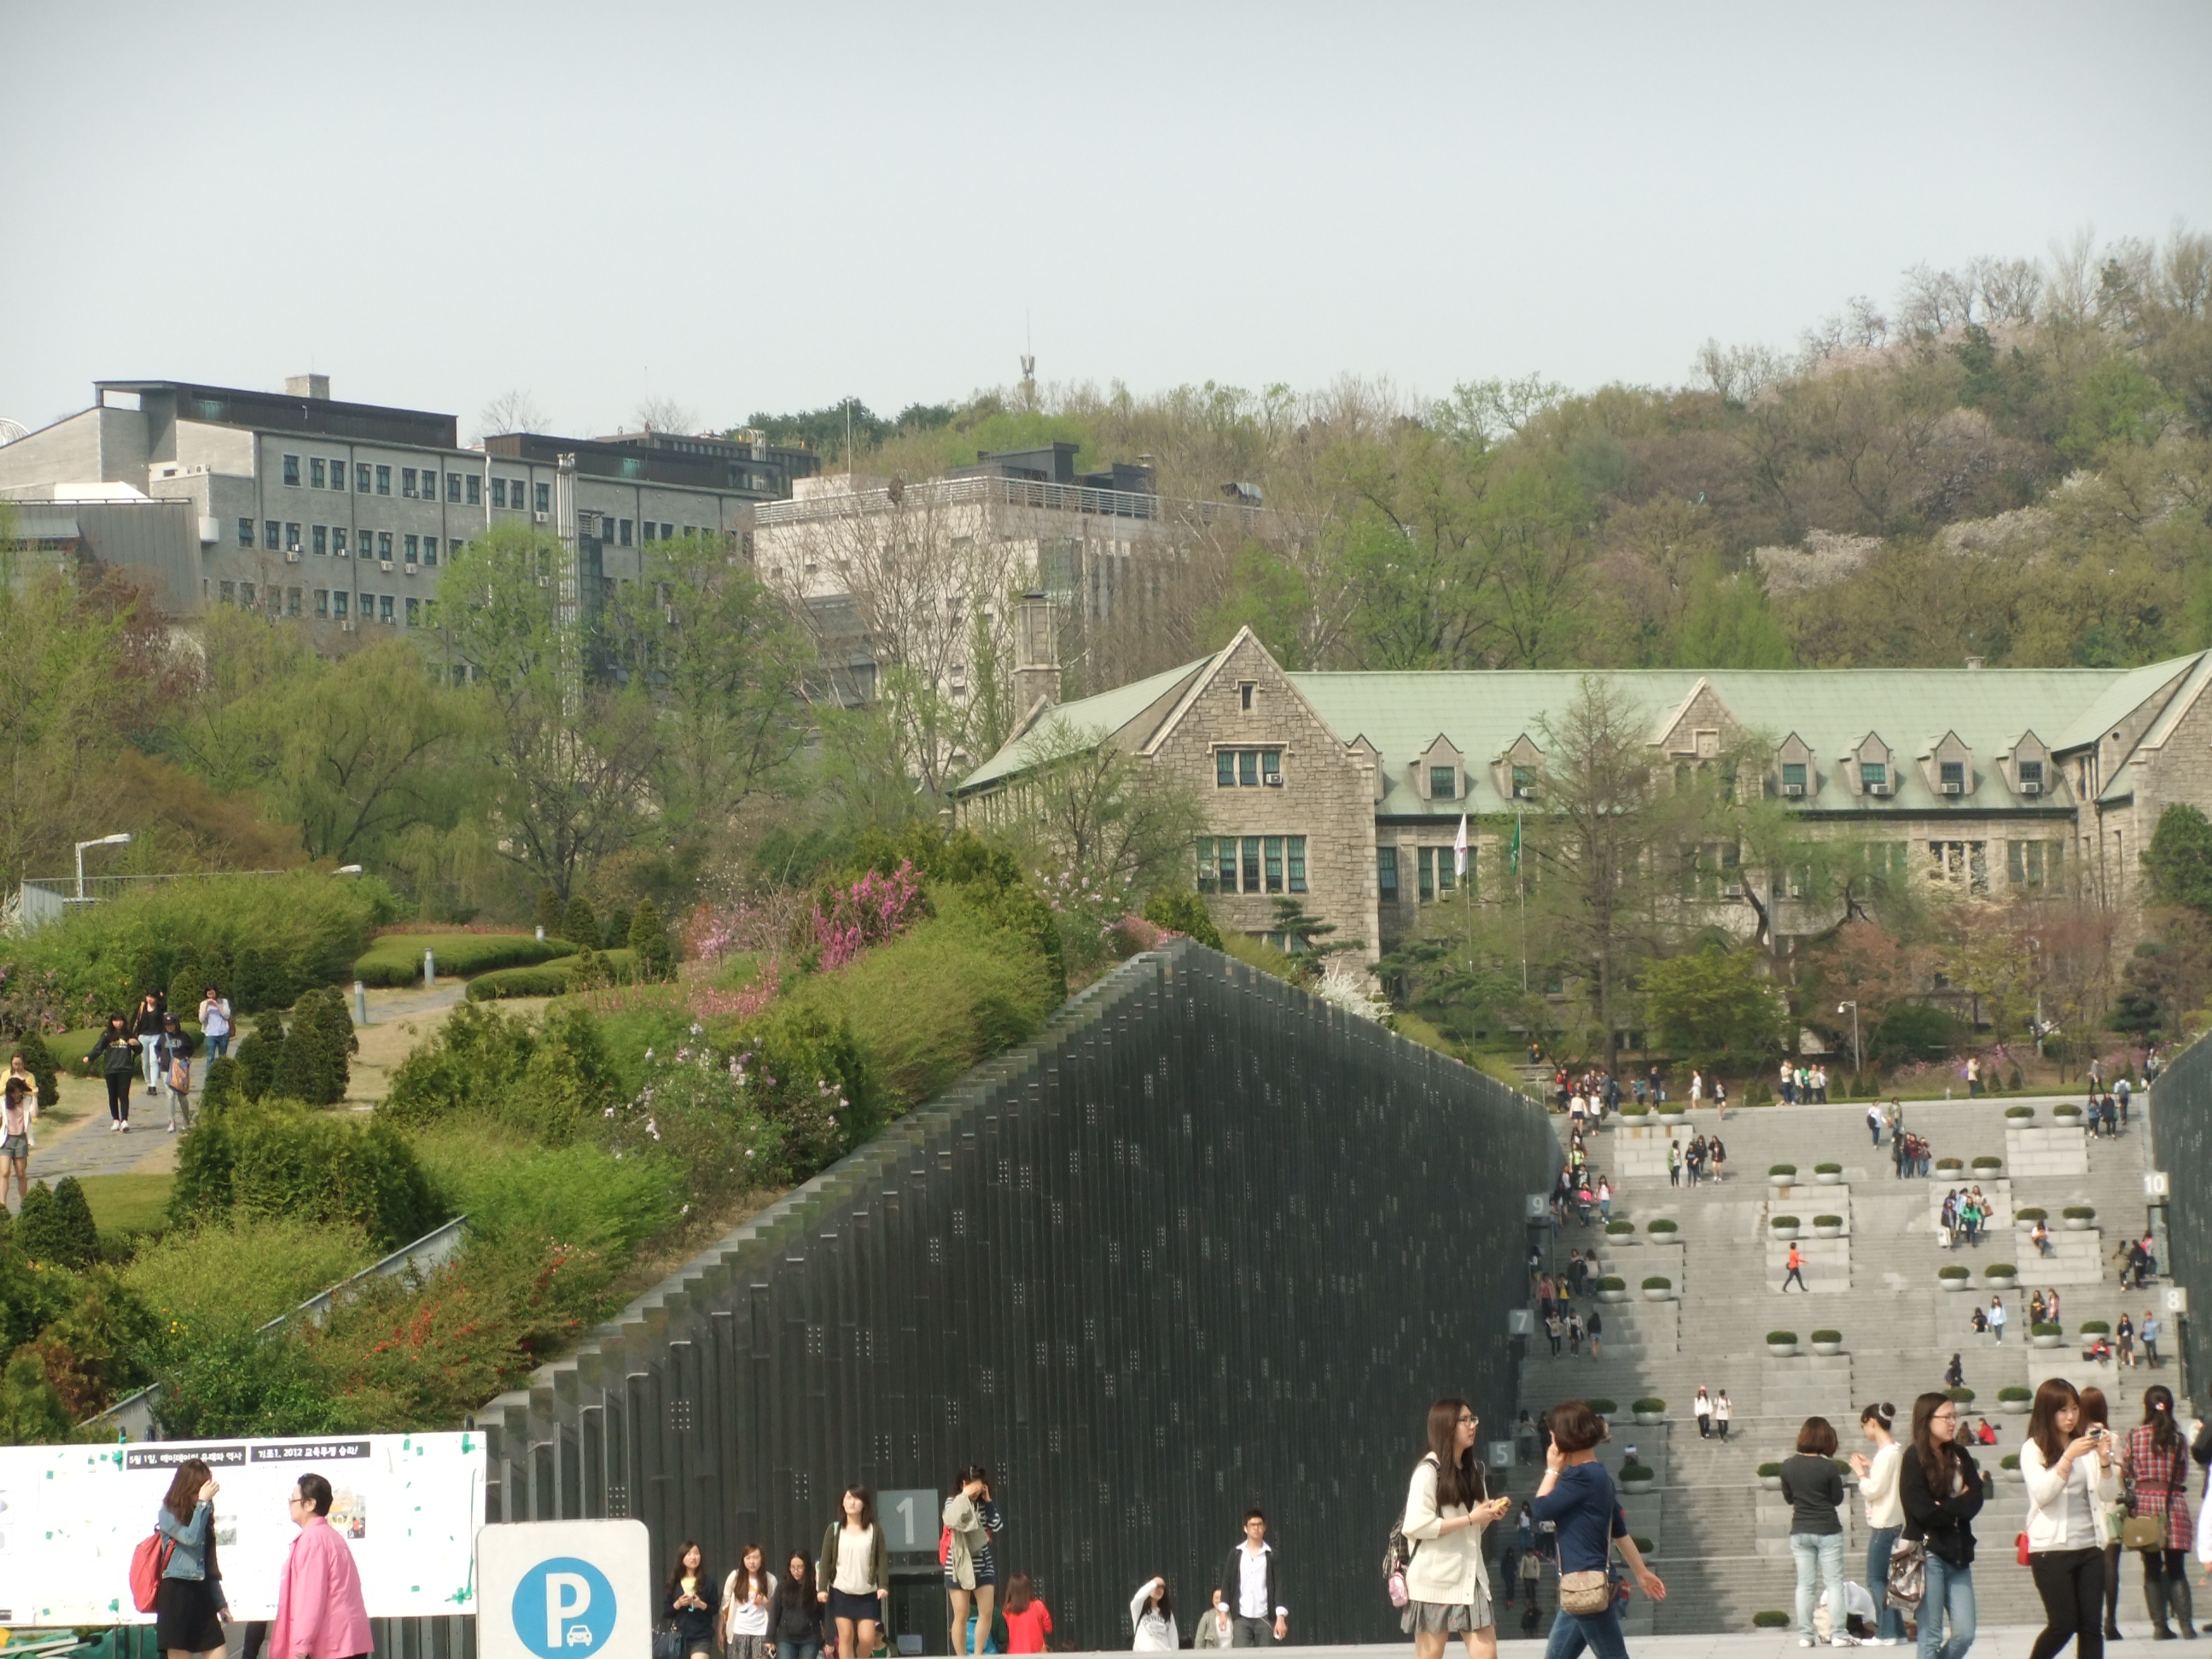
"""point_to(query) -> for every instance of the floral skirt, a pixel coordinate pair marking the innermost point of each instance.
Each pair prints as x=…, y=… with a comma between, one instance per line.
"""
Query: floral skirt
x=1447, y=1618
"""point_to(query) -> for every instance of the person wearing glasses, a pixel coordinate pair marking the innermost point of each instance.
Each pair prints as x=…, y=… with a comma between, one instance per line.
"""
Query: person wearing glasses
x=1941, y=1491
x=1447, y=1507
x=320, y=1613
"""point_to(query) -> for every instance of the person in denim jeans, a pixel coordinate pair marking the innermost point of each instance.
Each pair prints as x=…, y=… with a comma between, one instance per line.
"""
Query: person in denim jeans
x=1942, y=1494
x=795, y=1615
x=1884, y=1514
x=1576, y=1496
x=191, y=1609
x=1814, y=1487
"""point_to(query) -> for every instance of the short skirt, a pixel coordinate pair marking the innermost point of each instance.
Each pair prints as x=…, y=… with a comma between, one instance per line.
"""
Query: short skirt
x=185, y=1618
x=1447, y=1618
x=843, y=1604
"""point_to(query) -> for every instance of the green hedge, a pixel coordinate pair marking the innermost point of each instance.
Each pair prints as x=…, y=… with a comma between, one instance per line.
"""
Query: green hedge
x=395, y=959
x=555, y=978
x=277, y=1158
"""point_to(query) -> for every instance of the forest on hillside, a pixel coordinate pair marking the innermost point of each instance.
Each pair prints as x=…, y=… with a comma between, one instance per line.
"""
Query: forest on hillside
x=2011, y=460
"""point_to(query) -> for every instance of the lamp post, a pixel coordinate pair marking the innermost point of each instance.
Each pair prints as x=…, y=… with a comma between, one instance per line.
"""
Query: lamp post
x=1856, y=1067
x=122, y=839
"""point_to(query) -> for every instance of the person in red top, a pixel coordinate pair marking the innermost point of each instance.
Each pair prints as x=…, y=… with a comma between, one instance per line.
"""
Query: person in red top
x=1028, y=1621
x=320, y=1612
x=1796, y=1272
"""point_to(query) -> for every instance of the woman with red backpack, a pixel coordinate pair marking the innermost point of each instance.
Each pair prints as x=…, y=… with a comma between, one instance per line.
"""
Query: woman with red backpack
x=190, y=1608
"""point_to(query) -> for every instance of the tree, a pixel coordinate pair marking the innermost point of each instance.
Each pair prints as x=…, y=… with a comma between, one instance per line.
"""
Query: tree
x=260, y=1053
x=60, y=1231
x=1183, y=913
x=1715, y=1004
x=1862, y=964
x=648, y=943
x=1091, y=814
x=571, y=759
x=39, y=1061
x=31, y=1409
x=658, y=412
x=313, y=1067
x=579, y=926
x=513, y=411
x=2178, y=860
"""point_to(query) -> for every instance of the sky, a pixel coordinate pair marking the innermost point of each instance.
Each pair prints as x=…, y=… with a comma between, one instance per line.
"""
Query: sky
x=743, y=207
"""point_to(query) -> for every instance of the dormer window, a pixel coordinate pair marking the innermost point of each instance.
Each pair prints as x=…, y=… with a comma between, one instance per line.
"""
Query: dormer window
x=1525, y=782
x=2030, y=777
x=1951, y=775
x=1875, y=774
x=1444, y=783
x=1792, y=778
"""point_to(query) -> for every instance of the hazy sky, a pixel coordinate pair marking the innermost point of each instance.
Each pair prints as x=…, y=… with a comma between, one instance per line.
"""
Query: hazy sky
x=750, y=207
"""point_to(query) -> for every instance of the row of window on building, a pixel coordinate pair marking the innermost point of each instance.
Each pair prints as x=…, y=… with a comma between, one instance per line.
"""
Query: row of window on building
x=332, y=604
x=415, y=483
x=1252, y=863
x=335, y=541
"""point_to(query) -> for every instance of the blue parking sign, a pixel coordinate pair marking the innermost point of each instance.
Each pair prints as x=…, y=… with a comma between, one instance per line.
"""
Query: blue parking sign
x=564, y=1608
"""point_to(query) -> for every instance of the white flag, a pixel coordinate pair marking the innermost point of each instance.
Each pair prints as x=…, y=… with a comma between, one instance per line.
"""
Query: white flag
x=1458, y=849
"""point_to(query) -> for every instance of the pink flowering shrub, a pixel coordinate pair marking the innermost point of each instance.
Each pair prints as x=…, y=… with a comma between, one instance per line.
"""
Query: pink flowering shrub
x=1135, y=934
x=848, y=917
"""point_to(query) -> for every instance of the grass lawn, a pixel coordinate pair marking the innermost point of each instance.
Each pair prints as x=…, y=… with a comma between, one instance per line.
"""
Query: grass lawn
x=128, y=1203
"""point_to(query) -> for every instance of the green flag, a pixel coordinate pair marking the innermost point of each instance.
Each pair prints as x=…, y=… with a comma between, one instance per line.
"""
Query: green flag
x=1516, y=844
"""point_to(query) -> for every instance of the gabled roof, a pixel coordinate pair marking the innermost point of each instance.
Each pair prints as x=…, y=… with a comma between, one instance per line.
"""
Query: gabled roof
x=1109, y=712
x=2128, y=690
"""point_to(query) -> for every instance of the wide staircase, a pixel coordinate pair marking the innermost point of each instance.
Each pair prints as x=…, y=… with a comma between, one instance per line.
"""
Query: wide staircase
x=1718, y=1536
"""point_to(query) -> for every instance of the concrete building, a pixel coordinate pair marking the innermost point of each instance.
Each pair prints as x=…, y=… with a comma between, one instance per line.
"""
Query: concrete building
x=1347, y=789
x=343, y=515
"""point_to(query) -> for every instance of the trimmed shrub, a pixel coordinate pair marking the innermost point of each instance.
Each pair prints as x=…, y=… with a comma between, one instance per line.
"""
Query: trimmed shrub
x=2010, y=1461
x=314, y=1065
x=2019, y=1114
x=1768, y=1471
x=1782, y=1169
x=1985, y=1161
x=1643, y=1545
x=1185, y=914
x=1948, y=1163
x=1827, y=1221
x=1782, y=1336
x=2043, y=1327
x=648, y=945
x=554, y=978
x=220, y=1087
x=1827, y=1336
x=2014, y=1392
x=1782, y=1221
x=1611, y=1283
x=395, y=959
x=260, y=1051
x=470, y=1062
x=1635, y=1108
x=1650, y=1403
x=277, y=1158
x=56, y=1227
x=2033, y=1213
x=1619, y=1228
x=1662, y=1226
x=1637, y=1472
x=1959, y=1396
x=2066, y=1109
x=1658, y=1283
x=1954, y=1271
x=1827, y=1168
x=579, y=924
x=1770, y=1617
x=1602, y=1407
x=2001, y=1270
x=2079, y=1212
x=2095, y=1328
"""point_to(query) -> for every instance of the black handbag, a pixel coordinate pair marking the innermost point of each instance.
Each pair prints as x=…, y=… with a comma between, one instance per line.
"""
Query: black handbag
x=667, y=1643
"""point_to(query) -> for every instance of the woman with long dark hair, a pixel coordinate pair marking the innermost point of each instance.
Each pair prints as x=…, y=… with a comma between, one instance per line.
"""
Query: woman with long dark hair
x=746, y=1594
x=2155, y=1465
x=970, y=1568
x=191, y=1609
x=2097, y=1413
x=1151, y=1611
x=116, y=1054
x=854, y=1573
x=795, y=1620
x=2071, y=1473
x=1942, y=1490
x=689, y=1602
x=1447, y=1507
x=1576, y=1497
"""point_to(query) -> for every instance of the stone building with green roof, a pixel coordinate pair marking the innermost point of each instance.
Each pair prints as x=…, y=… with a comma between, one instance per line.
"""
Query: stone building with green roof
x=1347, y=789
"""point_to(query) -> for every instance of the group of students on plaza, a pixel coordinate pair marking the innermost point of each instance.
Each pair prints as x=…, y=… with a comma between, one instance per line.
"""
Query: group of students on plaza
x=152, y=1039
x=320, y=1611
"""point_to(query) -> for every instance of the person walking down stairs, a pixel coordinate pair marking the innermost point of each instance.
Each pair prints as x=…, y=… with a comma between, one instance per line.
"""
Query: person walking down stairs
x=1703, y=1406
x=1723, y=1412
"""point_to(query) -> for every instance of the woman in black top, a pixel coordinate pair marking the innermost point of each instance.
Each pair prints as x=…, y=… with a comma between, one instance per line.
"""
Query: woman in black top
x=153, y=1009
x=794, y=1616
x=1814, y=1487
x=1941, y=1491
x=689, y=1603
x=116, y=1054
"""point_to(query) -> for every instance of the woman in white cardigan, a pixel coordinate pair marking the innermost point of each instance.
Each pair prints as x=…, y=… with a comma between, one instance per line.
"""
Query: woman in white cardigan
x=1447, y=1585
x=2070, y=1478
x=1884, y=1511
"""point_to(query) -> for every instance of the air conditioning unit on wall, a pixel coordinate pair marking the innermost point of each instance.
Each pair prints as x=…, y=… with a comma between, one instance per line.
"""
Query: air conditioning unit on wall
x=1793, y=790
x=1877, y=789
x=1954, y=788
x=1274, y=779
x=2031, y=789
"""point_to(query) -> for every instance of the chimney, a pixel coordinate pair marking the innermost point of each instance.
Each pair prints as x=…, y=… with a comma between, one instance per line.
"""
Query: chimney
x=308, y=385
x=1036, y=652
x=1973, y=662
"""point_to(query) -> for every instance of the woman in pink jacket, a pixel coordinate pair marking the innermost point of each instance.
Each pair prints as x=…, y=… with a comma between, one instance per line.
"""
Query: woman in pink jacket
x=320, y=1613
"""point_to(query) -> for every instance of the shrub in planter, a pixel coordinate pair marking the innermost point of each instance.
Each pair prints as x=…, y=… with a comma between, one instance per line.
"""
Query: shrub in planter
x=1782, y=1169
x=2033, y=1213
x=1637, y=1472
x=1959, y=1396
x=2096, y=1328
x=1649, y=1404
x=2010, y=1461
x=1782, y=1338
x=1643, y=1545
x=1770, y=1619
x=2014, y=1392
x=1986, y=1163
x=1953, y=1271
x=1656, y=1283
x=1619, y=1228
x=2041, y=1328
x=2066, y=1109
x=1827, y=1168
x=2001, y=1270
x=1611, y=1283
x=2080, y=1212
x=1827, y=1221
x=2019, y=1114
x=1602, y=1407
x=1662, y=1226
x=1635, y=1108
x=1948, y=1163
x=1827, y=1336
x=1781, y=1221
x=1770, y=1471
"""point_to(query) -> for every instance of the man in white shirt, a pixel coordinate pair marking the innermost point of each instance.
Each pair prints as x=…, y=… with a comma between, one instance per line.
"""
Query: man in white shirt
x=1247, y=1589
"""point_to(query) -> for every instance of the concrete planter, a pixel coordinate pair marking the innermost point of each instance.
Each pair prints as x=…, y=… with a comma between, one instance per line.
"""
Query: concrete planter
x=1671, y=1119
x=2014, y=1408
x=1783, y=1350
x=1650, y=1419
x=2001, y=1281
x=1659, y=1296
x=2011, y=1476
x=1986, y=1172
x=1638, y=1486
x=1956, y=1284
x=1783, y=1232
x=2044, y=1342
x=1781, y=1183
x=1613, y=1296
x=1771, y=1482
x=2077, y=1224
x=1827, y=1350
x=1819, y=1232
x=1828, y=1177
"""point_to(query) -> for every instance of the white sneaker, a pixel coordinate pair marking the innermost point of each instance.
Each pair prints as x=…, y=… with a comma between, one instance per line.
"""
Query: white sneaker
x=1804, y=1641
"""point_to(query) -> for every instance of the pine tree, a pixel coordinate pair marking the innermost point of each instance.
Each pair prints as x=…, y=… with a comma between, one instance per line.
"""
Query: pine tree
x=79, y=1233
x=214, y=969
x=614, y=933
x=315, y=1068
x=549, y=912
x=220, y=1089
x=259, y=1055
x=254, y=983
x=40, y=1060
x=35, y=1232
x=187, y=984
x=579, y=926
x=648, y=940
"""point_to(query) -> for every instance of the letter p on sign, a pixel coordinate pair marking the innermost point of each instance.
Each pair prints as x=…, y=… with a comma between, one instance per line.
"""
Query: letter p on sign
x=564, y=1589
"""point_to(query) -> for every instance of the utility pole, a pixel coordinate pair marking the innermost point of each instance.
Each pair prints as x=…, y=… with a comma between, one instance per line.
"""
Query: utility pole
x=1856, y=1066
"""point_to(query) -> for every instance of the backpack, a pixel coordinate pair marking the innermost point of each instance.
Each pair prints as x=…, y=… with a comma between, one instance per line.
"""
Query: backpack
x=944, y=1547
x=1398, y=1554
x=148, y=1563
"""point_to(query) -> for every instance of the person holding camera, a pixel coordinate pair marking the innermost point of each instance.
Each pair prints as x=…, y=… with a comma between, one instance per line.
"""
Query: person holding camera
x=2072, y=1472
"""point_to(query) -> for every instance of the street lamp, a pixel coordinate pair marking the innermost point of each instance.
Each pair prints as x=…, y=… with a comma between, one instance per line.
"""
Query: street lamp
x=1856, y=1067
x=123, y=840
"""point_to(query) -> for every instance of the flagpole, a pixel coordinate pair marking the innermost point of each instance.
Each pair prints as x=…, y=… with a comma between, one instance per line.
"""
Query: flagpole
x=1521, y=884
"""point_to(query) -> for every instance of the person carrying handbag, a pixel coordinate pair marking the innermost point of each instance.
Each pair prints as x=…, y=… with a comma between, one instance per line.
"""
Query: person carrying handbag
x=1576, y=1496
x=1942, y=1491
x=2154, y=1464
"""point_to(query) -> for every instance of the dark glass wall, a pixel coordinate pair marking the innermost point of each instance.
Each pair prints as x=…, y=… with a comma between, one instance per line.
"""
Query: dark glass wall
x=1206, y=1243
x=2181, y=1131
